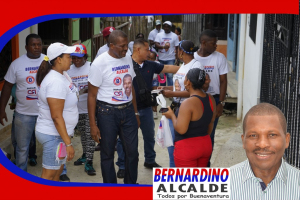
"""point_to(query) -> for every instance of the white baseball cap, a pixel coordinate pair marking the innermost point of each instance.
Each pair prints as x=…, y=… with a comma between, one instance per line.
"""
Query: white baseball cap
x=157, y=22
x=56, y=49
x=168, y=22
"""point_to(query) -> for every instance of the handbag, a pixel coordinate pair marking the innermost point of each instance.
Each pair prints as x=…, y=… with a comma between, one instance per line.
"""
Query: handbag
x=144, y=93
x=174, y=106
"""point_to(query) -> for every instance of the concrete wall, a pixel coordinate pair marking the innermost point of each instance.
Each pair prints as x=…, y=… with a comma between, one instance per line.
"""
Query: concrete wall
x=253, y=65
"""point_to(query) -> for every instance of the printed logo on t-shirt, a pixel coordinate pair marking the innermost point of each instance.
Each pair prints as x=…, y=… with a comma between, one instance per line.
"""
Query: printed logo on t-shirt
x=125, y=93
x=121, y=69
x=30, y=79
x=31, y=70
x=163, y=43
x=31, y=94
x=117, y=81
x=209, y=68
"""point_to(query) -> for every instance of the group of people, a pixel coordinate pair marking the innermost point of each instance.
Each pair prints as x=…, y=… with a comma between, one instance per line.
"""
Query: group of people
x=106, y=100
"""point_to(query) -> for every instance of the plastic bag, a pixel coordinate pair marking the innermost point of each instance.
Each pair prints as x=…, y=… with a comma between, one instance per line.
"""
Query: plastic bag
x=164, y=137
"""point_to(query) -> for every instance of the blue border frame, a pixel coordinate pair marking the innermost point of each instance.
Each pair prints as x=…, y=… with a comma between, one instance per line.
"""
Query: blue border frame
x=3, y=160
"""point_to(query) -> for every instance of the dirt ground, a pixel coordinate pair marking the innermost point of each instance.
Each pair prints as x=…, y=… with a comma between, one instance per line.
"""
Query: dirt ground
x=227, y=152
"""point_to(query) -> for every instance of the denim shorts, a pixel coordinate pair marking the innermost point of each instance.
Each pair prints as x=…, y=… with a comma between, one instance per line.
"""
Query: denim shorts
x=50, y=144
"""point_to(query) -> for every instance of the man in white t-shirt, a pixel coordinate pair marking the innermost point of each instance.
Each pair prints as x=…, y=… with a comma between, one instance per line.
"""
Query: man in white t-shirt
x=154, y=32
x=215, y=64
x=106, y=32
x=115, y=114
x=22, y=72
x=167, y=44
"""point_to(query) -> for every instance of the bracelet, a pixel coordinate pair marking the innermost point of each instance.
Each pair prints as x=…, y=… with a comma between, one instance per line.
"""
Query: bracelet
x=137, y=113
x=69, y=144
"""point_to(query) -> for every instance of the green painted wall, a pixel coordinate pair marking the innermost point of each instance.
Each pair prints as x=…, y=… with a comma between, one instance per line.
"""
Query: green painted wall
x=75, y=29
x=96, y=25
x=88, y=45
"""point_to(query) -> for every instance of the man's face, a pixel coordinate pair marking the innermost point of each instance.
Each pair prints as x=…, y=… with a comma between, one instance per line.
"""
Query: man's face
x=158, y=27
x=34, y=48
x=264, y=141
x=167, y=28
x=78, y=61
x=177, y=85
x=120, y=48
x=127, y=84
x=210, y=45
x=144, y=51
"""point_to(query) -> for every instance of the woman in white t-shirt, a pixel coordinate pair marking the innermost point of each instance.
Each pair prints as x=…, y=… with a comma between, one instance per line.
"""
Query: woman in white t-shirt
x=58, y=112
x=78, y=72
x=186, y=55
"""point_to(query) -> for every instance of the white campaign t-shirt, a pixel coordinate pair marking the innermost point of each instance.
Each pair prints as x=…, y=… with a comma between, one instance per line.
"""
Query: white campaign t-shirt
x=162, y=39
x=56, y=85
x=22, y=71
x=79, y=76
x=215, y=65
x=153, y=33
x=108, y=74
x=101, y=50
x=178, y=78
x=130, y=46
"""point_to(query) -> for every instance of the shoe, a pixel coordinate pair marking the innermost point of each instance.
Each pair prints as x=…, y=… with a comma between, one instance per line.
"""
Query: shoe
x=64, y=177
x=32, y=162
x=89, y=169
x=98, y=147
x=151, y=165
x=121, y=173
x=154, y=115
x=80, y=160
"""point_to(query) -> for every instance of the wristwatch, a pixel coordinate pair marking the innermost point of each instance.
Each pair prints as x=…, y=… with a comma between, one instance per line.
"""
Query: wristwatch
x=137, y=113
x=222, y=103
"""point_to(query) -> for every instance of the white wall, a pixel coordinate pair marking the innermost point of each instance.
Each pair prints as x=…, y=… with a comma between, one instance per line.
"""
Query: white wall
x=253, y=65
x=22, y=36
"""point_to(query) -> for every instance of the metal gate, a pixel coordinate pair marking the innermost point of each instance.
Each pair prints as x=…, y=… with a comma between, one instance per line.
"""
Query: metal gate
x=281, y=75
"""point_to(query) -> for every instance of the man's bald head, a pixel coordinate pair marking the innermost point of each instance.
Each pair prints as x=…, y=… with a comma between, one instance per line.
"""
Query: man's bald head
x=113, y=37
x=264, y=109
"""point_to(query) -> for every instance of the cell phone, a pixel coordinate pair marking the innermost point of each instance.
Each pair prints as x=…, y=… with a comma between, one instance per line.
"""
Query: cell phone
x=163, y=110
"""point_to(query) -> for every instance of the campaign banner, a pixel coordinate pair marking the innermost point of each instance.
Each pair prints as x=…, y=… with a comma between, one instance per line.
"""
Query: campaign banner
x=191, y=183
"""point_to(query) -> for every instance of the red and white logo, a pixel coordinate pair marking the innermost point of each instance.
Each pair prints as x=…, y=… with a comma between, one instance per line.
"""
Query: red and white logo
x=117, y=81
x=30, y=79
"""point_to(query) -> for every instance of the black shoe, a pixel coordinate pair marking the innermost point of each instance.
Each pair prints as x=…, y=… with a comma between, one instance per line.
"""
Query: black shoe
x=151, y=165
x=121, y=173
x=89, y=169
x=64, y=177
x=32, y=162
x=80, y=160
x=98, y=147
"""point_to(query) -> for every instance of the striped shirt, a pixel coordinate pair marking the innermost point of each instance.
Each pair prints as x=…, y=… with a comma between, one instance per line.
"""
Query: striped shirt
x=244, y=184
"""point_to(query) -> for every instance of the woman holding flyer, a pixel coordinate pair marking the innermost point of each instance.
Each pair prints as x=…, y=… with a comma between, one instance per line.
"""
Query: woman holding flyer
x=58, y=112
x=193, y=123
x=177, y=91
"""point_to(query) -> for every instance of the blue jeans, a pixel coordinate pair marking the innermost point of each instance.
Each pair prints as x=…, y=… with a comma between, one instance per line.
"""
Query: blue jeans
x=171, y=148
x=169, y=75
x=147, y=127
x=24, y=126
x=64, y=170
x=32, y=146
x=212, y=135
x=113, y=122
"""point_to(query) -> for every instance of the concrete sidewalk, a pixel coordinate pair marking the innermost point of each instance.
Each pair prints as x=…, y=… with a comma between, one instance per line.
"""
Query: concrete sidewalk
x=227, y=152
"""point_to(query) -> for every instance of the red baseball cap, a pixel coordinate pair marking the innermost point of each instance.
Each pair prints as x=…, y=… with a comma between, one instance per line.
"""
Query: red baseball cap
x=108, y=30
